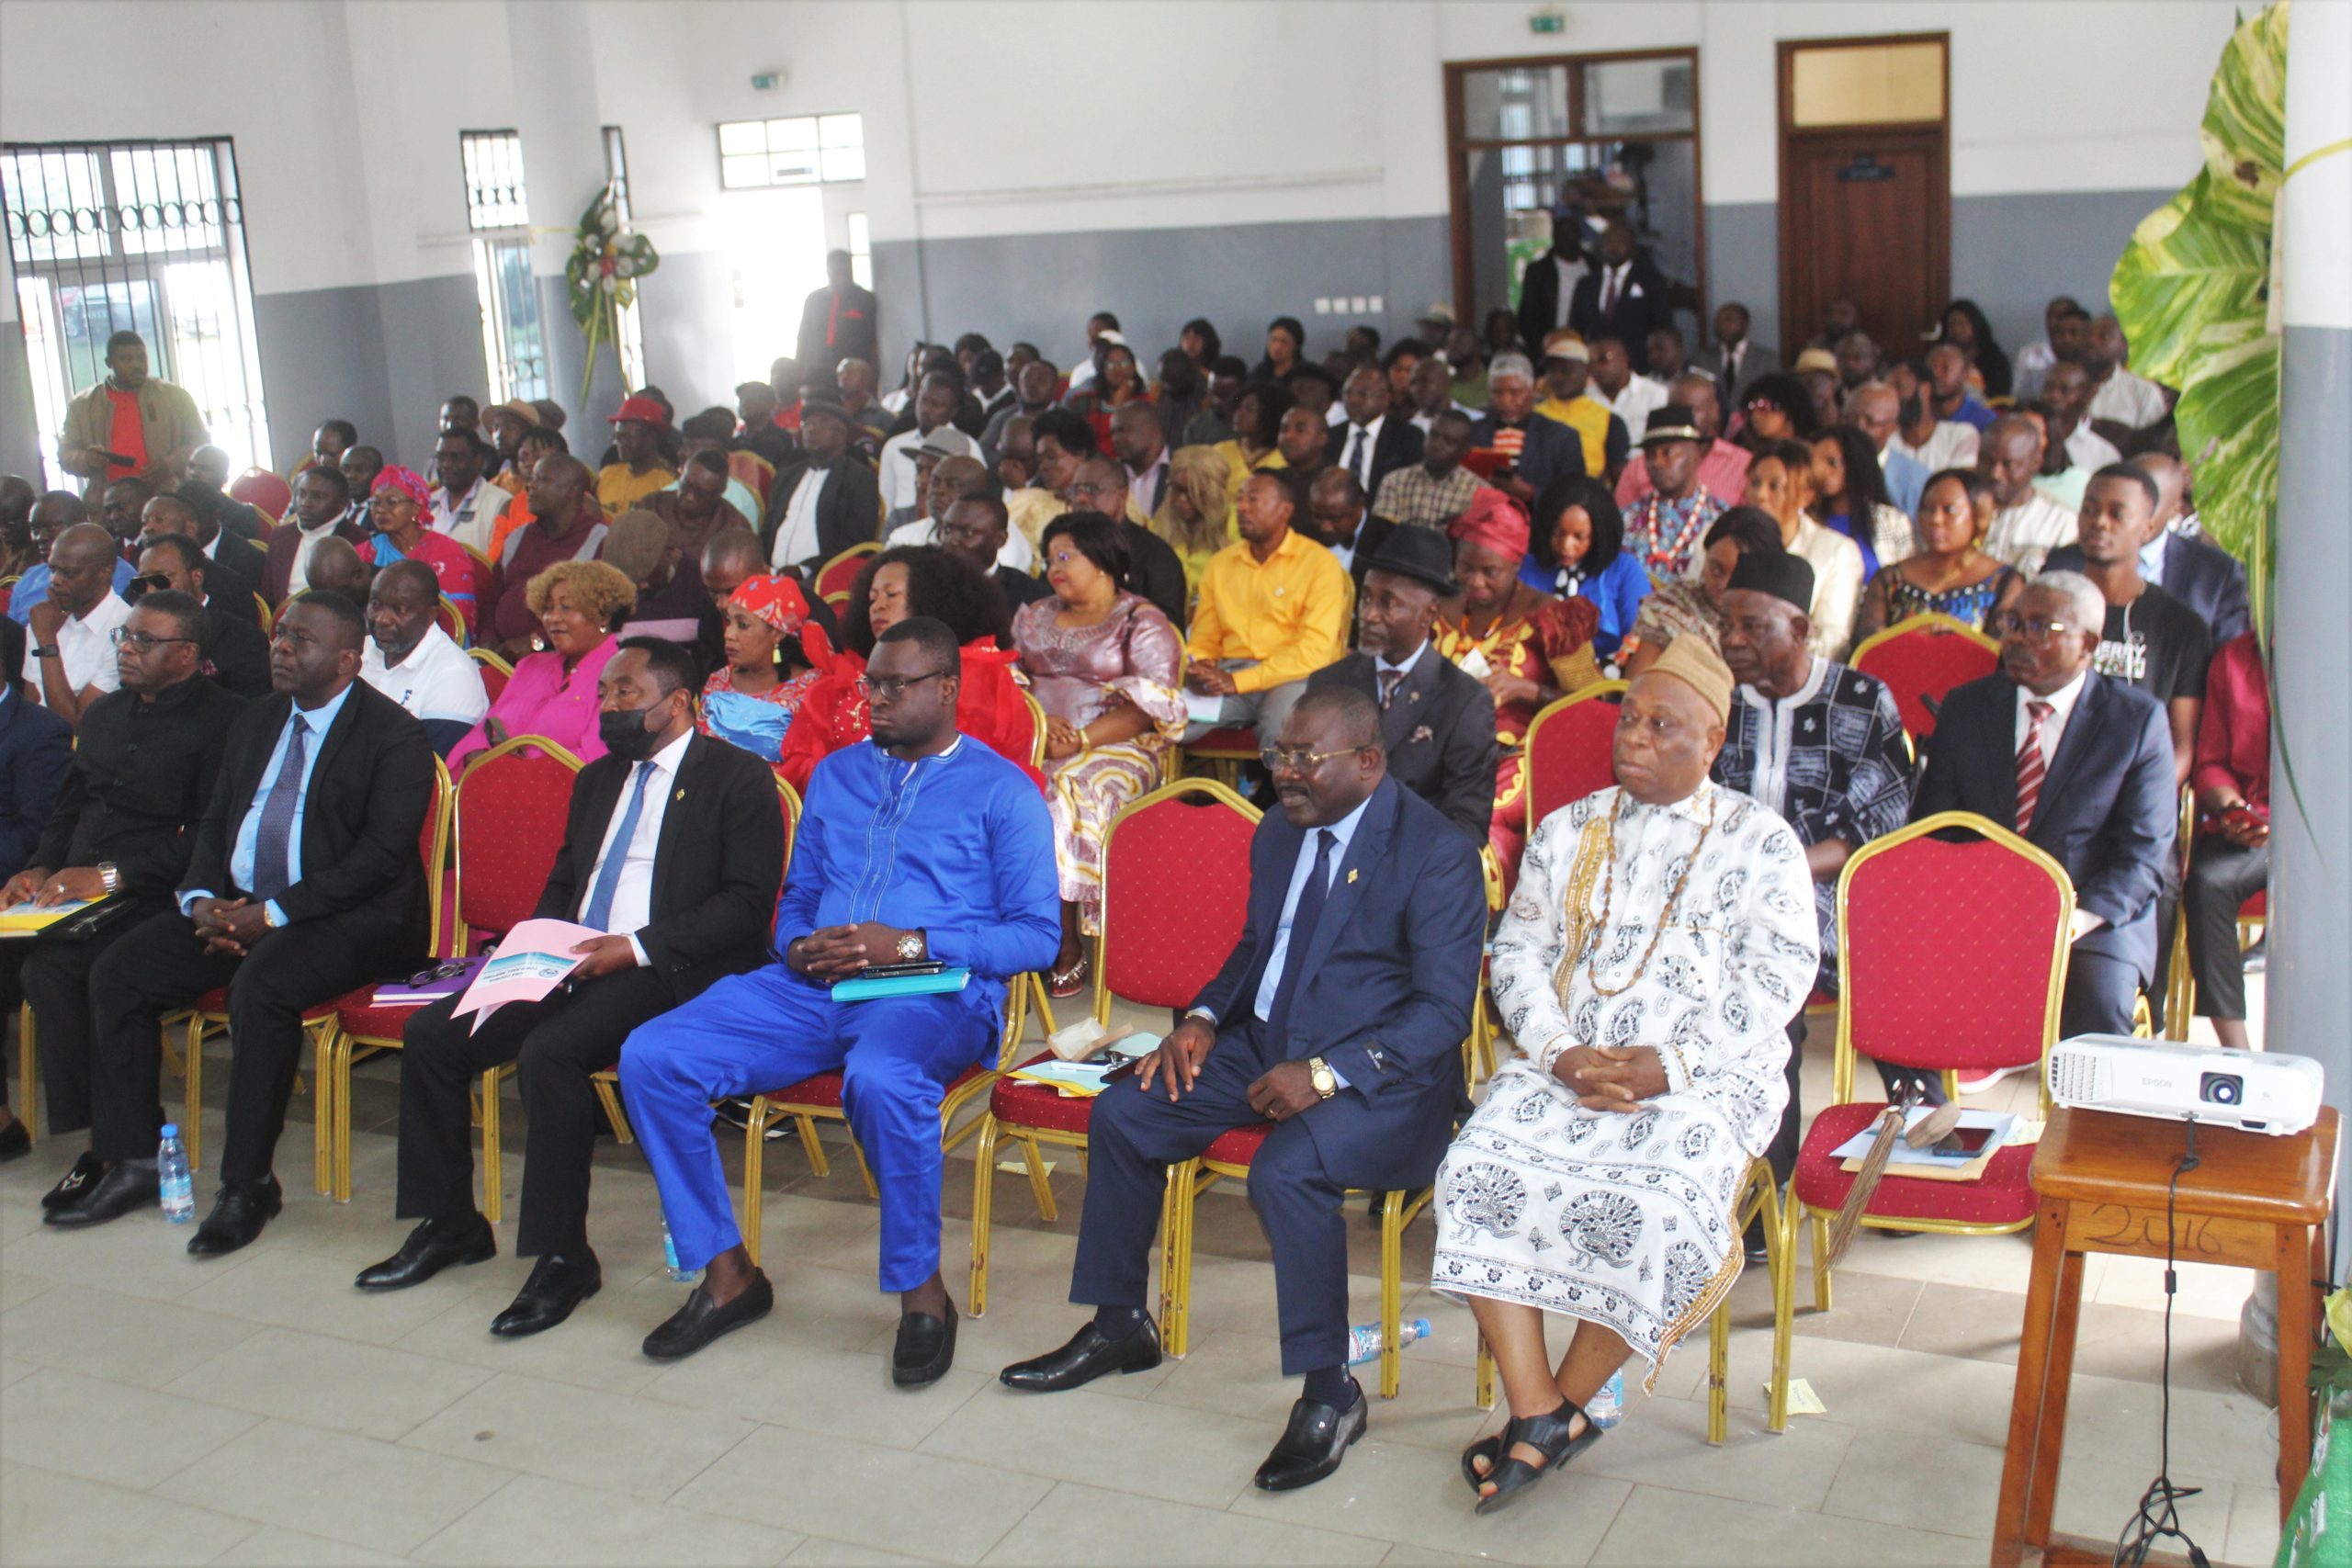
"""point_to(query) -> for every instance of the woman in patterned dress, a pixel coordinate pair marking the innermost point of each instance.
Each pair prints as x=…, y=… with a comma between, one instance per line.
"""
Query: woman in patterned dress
x=1951, y=575
x=751, y=699
x=1104, y=666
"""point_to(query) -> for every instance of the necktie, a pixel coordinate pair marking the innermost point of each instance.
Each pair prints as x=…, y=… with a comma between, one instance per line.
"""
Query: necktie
x=2031, y=763
x=1356, y=456
x=1609, y=292
x=599, y=911
x=277, y=819
x=833, y=319
x=1389, y=681
x=1302, y=933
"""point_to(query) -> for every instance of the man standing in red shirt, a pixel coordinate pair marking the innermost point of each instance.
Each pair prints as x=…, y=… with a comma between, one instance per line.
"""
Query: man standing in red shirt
x=2230, y=861
x=131, y=424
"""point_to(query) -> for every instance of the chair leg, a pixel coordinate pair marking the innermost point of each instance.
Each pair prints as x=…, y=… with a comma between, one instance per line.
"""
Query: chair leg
x=865, y=1173
x=1175, y=1261
x=339, y=1063
x=322, y=1125
x=493, y=1178
x=1034, y=1159
x=1781, y=1238
x=1820, y=1260
x=1486, y=1376
x=609, y=1097
x=1391, y=1294
x=813, y=1147
x=27, y=1077
x=1719, y=1372
x=755, y=1143
x=192, y=1118
x=983, y=1212
x=1036, y=983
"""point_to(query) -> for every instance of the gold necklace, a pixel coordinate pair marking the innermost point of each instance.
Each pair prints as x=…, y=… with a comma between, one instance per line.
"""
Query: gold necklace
x=1666, y=916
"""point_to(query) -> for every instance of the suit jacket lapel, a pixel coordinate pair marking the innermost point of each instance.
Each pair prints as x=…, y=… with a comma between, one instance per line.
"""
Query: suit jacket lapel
x=1365, y=850
x=673, y=818
x=2090, y=712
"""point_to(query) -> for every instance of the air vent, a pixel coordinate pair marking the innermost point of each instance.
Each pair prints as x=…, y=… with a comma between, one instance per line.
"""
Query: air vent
x=2077, y=1077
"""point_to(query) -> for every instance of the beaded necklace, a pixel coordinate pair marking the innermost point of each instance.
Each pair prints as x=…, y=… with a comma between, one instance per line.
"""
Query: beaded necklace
x=1666, y=916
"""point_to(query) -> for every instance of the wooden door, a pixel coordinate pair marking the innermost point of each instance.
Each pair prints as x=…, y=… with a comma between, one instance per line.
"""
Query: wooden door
x=1865, y=216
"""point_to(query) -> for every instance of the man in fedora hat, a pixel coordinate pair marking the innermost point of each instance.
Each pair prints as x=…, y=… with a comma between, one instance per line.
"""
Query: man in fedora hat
x=1665, y=529
x=1437, y=724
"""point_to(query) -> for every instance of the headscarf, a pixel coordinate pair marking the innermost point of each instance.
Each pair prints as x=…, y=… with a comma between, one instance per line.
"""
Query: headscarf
x=407, y=481
x=1492, y=520
x=775, y=600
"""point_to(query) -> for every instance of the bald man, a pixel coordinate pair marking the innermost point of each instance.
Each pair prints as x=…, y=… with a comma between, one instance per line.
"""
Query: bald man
x=1875, y=409
x=46, y=517
x=69, y=652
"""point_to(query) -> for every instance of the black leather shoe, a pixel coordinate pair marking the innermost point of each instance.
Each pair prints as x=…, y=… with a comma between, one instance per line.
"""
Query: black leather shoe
x=238, y=1214
x=88, y=1169
x=15, y=1140
x=432, y=1247
x=926, y=1348
x=1314, y=1443
x=1087, y=1356
x=699, y=1322
x=125, y=1189
x=558, y=1282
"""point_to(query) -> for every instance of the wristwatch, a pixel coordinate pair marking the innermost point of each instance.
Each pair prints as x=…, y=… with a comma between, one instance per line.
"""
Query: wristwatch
x=108, y=877
x=47, y=651
x=912, y=947
x=1319, y=1073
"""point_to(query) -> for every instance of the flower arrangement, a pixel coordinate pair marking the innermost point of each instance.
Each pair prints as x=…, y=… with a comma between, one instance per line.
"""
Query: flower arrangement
x=606, y=260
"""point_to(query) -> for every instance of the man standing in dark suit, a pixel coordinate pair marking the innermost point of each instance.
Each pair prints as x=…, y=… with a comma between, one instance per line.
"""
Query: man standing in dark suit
x=1735, y=361
x=1436, y=725
x=825, y=503
x=2079, y=765
x=673, y=845
x=1549, y=285
x=1339, y=1018
x=303, y=882
x=840, y=320
x=1623, y=297
x=1369, y=443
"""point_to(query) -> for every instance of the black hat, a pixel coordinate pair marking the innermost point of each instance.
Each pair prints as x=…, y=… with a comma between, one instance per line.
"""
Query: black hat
x=1672, y=422
x=1422, y=554
x=809, y=405
x=1777, y=572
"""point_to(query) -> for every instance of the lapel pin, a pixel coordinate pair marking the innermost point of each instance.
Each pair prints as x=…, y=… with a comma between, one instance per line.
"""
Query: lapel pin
x=1351, y=876
x=1412, y=696
x=679, y=795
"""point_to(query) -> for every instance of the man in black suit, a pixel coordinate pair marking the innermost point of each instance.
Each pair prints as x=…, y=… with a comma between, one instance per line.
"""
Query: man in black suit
x=1623, y=297
x=842, y=504
x=1369, y=443
x=673, y=844
x=2080, y=764
x=1341, y=520
x=242, y=562
x=1436, y=725
x=1734, y=360
x=303, y=882
x=839, y=320
x=976, y=528
x=2191, y=568
x=236, y=655
x=1339, y=1017
x=1549, y=284
x=171, y=514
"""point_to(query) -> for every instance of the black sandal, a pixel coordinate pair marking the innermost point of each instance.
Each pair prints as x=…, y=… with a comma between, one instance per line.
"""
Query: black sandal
x=1548, y=1435
x=1491, y=1449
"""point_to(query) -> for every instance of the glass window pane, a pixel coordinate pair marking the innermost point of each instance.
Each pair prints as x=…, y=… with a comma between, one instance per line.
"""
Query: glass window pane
x=742, y=136
x=1515, y=105
x=785, y=134
x=844, y=163
x=842, y=129
x=53, y=207
x=745, y=172
x=1892, y=84
x=793, y=167
x=1625, y=96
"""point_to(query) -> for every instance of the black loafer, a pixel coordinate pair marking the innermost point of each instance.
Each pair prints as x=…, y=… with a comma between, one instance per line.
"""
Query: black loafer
x=557, y=1284
x=124, y=1189
x=700, y=1321
x=238, y=1214
x=926, y=1348
x=88, y=1169
x=1314, y=1443
x=1087, y=1356
x=432, y=1247
x=15, y=1140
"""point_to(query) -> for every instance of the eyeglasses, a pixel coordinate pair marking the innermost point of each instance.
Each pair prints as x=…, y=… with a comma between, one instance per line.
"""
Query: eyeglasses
x=890, y=688
x=141, y=642
x=449, y=970
x=1083, y=489
x=1299, y=761
x=150, y=582
x=2016, y=625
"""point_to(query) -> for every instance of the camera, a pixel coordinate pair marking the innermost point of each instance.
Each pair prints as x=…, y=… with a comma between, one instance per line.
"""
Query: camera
x=2220, y=1088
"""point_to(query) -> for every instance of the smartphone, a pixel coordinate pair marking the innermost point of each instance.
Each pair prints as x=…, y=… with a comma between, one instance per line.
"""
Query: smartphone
x=897, y=971
x=1962, y=1143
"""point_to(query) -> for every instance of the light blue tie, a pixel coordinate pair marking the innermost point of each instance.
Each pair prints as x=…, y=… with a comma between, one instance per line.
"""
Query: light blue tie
x=599, y=912
x=273, y=842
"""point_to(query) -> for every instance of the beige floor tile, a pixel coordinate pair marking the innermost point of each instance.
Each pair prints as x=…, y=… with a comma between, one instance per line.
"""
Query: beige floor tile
x=362, y=1389
x=816, y=1388
x=841, y=1309
x=2254, y=1527
x=354, y=1490
x=608, y=1441
x=596, y=1348
x=2207, y=1290
x=1906, y=1391
x=110, y=1431
x=1984, y=1262
x=1078, y=1525
x=535, y=1520
x=15, y=1372
x=124, y=1339
x=57, y=1520
x=2225, y=1436
x=1657, y=1527
x=1926, y=1483
x=816, y=1553
x=138, y=1255
x=1868, y=1309
x=17, y=1288
x=917, y=1504
x=2110, y=1341
x=296, y=1287
x=1141, y=1445
x=2100, y=1491
x=1663, y=1442
x=271, y=1546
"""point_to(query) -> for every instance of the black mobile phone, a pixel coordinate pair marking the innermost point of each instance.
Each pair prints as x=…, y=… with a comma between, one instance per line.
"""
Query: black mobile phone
x=897, y=971
x=1963, y=1142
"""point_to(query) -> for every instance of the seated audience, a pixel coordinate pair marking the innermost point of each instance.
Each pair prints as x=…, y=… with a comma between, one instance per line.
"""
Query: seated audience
x=1619, y=386
x=1434, y=491
x=567, y=526
x=1951, y=575
x=207, y=487
x=46, y=517
x=2230, y=861
x=824, y=502
x=2127, y=411
x=322, y=511
x=396, y=508
x=944, y=802
x=2027, y=525
x=463, y=507
x=751, y=699
x=2080, y=764
x=1256, y=444
x=1368, y=443
x=233, y=652
x=1213, y=425
x=360, y=466
x=1535, y=451
x=1579, y=553
x=1142, y=449
x=974, y=525
x=1339, y=520
x=536, y=446
x=412, y=660
x=1567, y=383
x=2200, y=574
x=506, y=424
x=1339, y=1017
x=703, y=502
x=335, y=566
x=302, y=883
x=669, y=602
x=745, y=474
x=122, y=503
x=169, y=513
x=580, y=607
x=2073, y=452
x=1953, y=382
x=637, y=469
x=682, y=905
x=2150, y=639
x=1106, y=668
x=1664, y=526
x=1101, y=485
x=1197, y=518
x=1723, y=465
x=1875, y=409
x=935, y=409
x=69, y=647
x=243, y=564
x=1934, y=444
x=1779, y=483
x=1851, y=496
x=1305, y=432
x=2065, y=330
x=1693, y=606
x=1273, y=609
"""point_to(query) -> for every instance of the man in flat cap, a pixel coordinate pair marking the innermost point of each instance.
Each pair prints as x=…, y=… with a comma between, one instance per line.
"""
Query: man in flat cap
x=1659, y=940
x=1817, y=743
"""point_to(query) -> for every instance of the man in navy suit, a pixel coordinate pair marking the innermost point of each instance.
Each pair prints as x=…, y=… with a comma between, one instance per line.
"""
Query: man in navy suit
x=2193, y=569
x=2081, y=765
x=1623, y=297
x=1339, y=1018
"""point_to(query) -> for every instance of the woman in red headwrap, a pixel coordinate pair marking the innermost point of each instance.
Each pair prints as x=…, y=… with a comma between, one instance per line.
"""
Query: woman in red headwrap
x=400, y=507
x=751, y=699
x=1528, y=647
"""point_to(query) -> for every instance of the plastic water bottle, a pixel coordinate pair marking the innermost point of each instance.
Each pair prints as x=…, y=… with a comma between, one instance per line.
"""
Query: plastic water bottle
x=1606, y=1408
x=670, y=1258
x=171, y=1169
x=1364, y=1340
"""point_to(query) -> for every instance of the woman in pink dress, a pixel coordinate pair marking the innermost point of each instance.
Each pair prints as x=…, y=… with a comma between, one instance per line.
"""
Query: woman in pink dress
x=581, y=604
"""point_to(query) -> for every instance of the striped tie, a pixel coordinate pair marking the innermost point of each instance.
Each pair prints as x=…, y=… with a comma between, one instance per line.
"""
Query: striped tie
x=2031, y=764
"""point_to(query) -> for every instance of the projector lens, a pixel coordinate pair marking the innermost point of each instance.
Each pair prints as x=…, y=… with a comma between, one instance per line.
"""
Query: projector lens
x=2221, y=1089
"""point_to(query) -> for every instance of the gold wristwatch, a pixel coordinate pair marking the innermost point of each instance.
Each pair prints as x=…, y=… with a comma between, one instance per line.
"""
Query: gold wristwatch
x=1319, y=1073
x=912, y=945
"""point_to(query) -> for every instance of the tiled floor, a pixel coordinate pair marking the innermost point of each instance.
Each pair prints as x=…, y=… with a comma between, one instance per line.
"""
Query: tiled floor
x=257, y=1410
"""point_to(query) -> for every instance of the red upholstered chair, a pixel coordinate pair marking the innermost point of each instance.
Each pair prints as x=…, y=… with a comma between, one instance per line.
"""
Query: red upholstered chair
x=1921, y=659
x=263, y=492
x=1566, y=749
x=1913, y=906
x=495, y=671
x=755, y=472
x=1175, y=895
x=1225, y=752
x=839, y=575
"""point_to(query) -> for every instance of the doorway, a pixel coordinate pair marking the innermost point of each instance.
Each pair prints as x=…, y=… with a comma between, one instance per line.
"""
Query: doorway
x=1865, y=187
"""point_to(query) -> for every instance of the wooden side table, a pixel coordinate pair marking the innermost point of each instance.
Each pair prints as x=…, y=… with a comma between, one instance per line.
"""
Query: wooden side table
x=2253, y=1201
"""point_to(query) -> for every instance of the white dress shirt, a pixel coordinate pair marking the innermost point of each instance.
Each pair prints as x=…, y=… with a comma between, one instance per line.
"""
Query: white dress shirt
x=1836, y=564
x=633, y=893
x=1952, y=445
x=1355, y=453
x=1571, y=273
x=796, y=536
x=2127, y=399
x=85, y=647
x=2021, y=535
x=436, y=680
x=2054, y=730
x=1638, y=398
x=2089, y=451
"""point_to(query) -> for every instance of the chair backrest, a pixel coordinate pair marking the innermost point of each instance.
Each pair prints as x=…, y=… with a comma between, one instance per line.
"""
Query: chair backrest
x=512, y=802
x=453, y=620
x=755, y=472
x=263, y=492
x=837, y=576
x=1952, y=951
x=1921, y=659
x=495, y=671
x=1566, y=750
x=262, y=610
x=433, y=851
x=1175, y=893
x=1036, y=729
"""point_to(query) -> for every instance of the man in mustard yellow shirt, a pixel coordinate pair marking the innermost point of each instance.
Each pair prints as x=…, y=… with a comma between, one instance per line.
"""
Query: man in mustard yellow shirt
x=1568, y=365
x=1273, y=609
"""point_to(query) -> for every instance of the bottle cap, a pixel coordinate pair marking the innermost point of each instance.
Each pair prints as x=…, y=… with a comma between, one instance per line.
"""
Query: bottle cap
x=1421, y=1326
x=170, y=1129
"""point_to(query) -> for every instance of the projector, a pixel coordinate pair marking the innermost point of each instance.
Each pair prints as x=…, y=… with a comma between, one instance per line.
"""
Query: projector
x=2253, y=1091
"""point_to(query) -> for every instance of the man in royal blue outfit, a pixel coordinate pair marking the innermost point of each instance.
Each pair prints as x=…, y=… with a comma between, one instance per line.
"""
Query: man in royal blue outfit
x=921, y=844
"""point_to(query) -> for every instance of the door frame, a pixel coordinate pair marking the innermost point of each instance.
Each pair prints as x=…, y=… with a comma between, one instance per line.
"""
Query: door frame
x=1789, y=135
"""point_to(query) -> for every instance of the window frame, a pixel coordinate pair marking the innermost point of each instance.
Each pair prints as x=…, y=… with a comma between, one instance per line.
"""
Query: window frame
x=514, y=371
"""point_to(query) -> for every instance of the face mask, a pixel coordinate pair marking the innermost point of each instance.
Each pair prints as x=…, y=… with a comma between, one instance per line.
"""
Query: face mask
x=625, y=735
